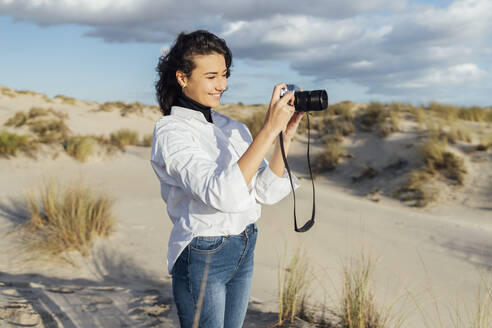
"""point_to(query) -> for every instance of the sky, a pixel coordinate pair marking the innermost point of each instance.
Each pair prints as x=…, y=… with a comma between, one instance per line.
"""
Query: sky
x=359, y=50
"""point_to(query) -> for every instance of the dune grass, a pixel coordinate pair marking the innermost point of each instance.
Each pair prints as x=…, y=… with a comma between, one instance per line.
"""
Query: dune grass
x=48, y=131
x=451, y=113
x=330, y=156
x=80, y=147
x=485, y=142
x=147, y=140
x=293, y=282
x=124, y=137
x=66, y=100
x=377, y=116
x=11, y=143
x=355, y=305
x=255, y=122
x=437, y=159
x=64, y=219
x=415, y=190
x=358, y=307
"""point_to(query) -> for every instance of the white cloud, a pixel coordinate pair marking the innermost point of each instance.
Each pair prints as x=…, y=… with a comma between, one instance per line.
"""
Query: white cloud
x=387, y=46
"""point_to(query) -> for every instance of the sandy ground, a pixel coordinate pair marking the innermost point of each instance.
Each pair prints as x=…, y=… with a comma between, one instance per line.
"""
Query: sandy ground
x=422, y=256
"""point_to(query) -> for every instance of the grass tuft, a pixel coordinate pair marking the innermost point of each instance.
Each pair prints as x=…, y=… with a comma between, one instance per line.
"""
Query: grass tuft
x=292, y=284
x=66, y=100
x=80, y=147
x=11, y=143
x=330, y=156
x=255, y=122
x=437, y=159
x=124, y=137
x=64, y=219
x=147, y=140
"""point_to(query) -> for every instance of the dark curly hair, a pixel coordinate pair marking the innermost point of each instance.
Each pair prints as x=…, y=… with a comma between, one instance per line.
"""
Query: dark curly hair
x=180, y=57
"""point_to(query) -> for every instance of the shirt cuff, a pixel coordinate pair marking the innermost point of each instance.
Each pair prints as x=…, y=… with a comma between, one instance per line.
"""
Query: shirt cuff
x=271, y=188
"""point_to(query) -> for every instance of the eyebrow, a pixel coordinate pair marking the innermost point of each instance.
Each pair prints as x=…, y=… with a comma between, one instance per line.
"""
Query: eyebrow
x=215, y=72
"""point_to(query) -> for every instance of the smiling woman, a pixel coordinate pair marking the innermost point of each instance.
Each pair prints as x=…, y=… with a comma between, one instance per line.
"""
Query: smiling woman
x=213, y=176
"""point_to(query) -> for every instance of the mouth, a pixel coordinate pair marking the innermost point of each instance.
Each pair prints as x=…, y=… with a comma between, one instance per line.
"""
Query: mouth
x=215, y=95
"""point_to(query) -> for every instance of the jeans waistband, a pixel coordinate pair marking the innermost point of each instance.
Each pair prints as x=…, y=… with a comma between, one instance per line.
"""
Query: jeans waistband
x=250, y=228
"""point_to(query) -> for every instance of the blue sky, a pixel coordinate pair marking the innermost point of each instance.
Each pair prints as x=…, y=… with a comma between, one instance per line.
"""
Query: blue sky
x=399, y=50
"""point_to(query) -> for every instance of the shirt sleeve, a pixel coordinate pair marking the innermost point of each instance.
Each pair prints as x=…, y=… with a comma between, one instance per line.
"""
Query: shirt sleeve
x=270, y=188
x=192, y=169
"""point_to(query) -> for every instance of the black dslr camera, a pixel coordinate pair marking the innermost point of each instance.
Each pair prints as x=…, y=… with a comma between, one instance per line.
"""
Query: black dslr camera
x=306, y=101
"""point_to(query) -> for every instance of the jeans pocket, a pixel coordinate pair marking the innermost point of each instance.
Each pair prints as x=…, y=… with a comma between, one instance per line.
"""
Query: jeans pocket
x=208, y=245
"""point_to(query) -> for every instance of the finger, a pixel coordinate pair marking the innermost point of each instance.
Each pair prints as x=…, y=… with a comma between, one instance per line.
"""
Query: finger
x=286, y=98
x=277, y=89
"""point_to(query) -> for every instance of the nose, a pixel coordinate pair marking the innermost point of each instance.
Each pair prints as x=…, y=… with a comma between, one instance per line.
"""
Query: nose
x=221, y=84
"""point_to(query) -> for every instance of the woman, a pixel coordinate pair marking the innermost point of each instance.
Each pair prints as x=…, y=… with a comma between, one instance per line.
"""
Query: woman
x=213, y=177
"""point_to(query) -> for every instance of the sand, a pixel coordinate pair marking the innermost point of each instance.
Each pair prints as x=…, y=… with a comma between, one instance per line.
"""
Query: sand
x=421, y=255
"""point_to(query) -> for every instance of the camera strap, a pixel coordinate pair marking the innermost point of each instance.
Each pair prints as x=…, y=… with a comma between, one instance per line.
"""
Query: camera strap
x=309, y=223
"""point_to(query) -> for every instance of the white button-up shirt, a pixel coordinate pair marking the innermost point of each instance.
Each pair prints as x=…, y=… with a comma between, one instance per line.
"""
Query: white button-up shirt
x=201, y=183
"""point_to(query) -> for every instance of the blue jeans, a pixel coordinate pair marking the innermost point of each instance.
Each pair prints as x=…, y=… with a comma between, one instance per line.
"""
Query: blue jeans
x=212, y=280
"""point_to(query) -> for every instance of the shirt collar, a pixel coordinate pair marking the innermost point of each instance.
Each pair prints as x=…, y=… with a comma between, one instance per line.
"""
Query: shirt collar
x=190, y=113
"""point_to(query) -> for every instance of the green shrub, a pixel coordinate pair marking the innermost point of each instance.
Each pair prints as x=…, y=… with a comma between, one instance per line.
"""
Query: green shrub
x=11, y=143
x=80, y=147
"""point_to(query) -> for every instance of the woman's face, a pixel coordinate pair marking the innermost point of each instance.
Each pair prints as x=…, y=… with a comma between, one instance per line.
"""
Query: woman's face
x=207, y=81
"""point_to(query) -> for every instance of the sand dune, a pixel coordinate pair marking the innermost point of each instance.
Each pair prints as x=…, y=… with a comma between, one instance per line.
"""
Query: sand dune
x=440, y=249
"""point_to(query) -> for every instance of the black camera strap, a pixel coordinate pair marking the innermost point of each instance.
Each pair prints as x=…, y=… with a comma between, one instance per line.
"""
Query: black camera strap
x=309, y=223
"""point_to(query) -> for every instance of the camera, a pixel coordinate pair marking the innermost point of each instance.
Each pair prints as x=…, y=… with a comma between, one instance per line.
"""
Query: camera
x=305, y=101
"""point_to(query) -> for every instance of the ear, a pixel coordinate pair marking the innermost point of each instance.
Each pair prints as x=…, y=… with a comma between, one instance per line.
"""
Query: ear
x=181, y=78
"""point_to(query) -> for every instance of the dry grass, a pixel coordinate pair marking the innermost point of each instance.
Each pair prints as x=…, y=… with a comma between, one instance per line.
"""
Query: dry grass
x=465, y=313
x=8, y=92
x=80, y=147
x=330, y=157
x=485, y=142
x=126, y=109
x=147, y=140
x=358, y=308
x=292, y=284
x=451, y=113
x=66, y=100
x=415, y=190
x=47, y=124
x=48, y=131
x=124, y=137
x=437, y=159
x=11, y=143
x=18, y=120
x=255, y=122
x=64, y=219
x=381, y=117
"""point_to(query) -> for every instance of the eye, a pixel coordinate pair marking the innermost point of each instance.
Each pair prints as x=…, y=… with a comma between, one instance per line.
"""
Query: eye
x=210, y=77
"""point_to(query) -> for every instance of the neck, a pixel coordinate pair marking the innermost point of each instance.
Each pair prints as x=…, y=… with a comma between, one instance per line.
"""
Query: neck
x=184, y=101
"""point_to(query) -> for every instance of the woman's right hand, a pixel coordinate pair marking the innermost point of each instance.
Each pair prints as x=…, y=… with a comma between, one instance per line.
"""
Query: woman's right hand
x=280, y=110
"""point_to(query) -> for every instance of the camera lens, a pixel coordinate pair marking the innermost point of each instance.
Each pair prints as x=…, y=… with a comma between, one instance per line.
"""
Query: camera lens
x=315, y=100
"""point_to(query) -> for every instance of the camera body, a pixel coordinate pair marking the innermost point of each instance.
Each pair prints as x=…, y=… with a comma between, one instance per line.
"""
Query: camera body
x=305, y=101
